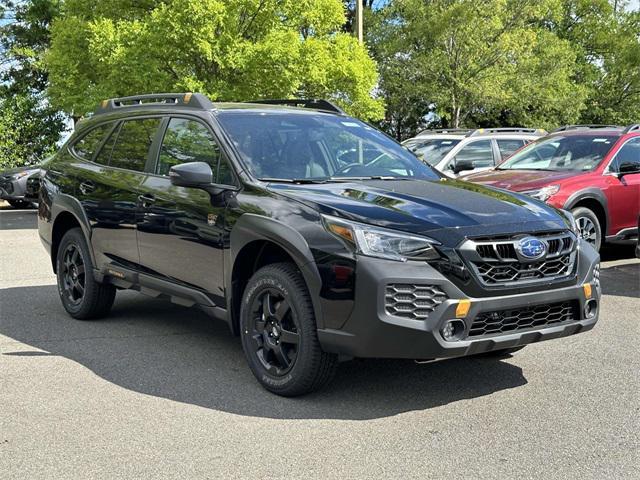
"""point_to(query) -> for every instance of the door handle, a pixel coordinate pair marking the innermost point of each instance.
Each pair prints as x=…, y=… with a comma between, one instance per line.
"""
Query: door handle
x=87, y=187
x=146, y=199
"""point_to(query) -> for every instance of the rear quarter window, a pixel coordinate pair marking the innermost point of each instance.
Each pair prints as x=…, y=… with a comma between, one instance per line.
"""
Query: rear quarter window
x=88, y=143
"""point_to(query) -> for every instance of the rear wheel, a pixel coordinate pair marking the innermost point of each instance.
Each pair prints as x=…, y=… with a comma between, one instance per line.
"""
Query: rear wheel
x=82, y=297
x=588, y=226
x=278, y=332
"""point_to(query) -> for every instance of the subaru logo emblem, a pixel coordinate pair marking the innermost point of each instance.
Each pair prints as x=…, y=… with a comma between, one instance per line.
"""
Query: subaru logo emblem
x=531, y=248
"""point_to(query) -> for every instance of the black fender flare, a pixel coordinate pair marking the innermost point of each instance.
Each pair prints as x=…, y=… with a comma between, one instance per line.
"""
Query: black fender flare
x=63, y=203
x=250, y=228
x=589, y=194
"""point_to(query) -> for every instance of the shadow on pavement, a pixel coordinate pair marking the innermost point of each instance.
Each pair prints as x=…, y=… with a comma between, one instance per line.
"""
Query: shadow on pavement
x=621, y=280
x=160, y=349
x=18, y=219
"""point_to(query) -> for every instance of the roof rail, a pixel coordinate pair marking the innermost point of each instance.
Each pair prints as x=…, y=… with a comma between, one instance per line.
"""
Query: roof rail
x=564, y=128
x=484, y=131
x=186, y=100
x=631, y=128
x=446, y=130
x=315, y=103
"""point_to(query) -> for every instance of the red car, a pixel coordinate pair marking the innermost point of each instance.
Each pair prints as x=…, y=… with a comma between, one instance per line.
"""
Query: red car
x=591, y=170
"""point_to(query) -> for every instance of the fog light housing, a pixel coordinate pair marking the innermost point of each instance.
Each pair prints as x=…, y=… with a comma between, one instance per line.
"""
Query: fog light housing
x=452, y=330
x=590, y=309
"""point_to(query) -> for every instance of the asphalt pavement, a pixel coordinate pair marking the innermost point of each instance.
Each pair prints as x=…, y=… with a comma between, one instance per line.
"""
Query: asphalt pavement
x=161, y=391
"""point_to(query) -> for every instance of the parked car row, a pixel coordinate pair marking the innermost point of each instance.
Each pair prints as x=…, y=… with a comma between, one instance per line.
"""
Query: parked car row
x=591, y=170
x=314, y=236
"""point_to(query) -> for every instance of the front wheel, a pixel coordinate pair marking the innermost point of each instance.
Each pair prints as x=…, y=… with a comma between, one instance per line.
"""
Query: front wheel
x=278, y=330
x=588, y=226
x=82, y=297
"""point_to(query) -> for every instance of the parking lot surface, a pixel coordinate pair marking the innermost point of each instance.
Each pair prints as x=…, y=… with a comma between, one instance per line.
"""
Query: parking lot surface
x=160, y=391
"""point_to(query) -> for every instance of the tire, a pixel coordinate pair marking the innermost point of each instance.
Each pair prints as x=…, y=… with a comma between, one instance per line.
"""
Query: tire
x=501, y=353
x=19, y=203
x=82, y=297
x=282, y=347
x=588, y=226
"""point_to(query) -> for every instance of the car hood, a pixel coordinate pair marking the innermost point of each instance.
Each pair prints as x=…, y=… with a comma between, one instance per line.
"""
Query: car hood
x=12, y=171
x=448, y=210
x=519, y=180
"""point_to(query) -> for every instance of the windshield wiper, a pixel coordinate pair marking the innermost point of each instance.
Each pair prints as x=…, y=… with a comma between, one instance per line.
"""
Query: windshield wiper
x=371, y=177
x=300, y=181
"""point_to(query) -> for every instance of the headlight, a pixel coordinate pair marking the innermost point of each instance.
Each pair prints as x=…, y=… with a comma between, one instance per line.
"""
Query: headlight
x=18, y=175
x=380, y=242
x=544, y=193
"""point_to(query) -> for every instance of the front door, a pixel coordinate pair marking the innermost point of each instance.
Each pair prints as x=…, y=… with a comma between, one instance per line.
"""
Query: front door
x=181, y=231
x=624, y=196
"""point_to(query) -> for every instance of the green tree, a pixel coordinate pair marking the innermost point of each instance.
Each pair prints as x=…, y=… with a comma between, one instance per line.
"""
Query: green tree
x=479, y=61
x=29, y=126
x=229, y=50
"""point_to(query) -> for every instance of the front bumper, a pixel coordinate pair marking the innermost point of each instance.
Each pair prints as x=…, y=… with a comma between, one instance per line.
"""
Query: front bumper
x=371, y=331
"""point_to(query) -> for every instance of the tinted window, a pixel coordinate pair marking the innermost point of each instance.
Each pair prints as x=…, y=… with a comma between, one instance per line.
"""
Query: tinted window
x=133, y=143
x=628, y=154
x=479, y=154
x=573, y=152
x=190, y=141
x=104, y=155
x=89, y=143
x=508, y=147
x=306, y=145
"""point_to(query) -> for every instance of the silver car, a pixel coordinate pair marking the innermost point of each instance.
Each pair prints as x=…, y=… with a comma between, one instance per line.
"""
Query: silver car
x=456, y=152
x=13, y=185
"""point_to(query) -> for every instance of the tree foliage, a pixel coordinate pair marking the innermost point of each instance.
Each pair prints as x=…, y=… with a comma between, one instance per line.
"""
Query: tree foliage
x=29, y=126
x=229, y=50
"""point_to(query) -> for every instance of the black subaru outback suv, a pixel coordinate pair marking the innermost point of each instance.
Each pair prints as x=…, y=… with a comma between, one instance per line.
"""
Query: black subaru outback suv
x=314, y=236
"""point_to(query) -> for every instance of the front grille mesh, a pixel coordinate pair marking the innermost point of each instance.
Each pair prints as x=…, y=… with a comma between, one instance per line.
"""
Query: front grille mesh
x=412, y=301
x=496, y=273
x=504, y=321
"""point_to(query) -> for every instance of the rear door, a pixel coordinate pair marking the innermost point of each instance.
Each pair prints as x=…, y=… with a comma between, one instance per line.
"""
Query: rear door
x=181, y=231
x=508, y=146
x=108, y=190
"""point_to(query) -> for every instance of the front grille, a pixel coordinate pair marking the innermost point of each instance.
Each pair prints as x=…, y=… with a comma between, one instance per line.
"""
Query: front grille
x=497, y=262
x=6, y=185
x=412, y=301
x=505, y=321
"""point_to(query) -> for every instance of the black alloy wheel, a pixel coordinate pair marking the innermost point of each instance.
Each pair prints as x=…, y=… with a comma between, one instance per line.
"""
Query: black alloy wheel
x=73, y=274
x=275, y=332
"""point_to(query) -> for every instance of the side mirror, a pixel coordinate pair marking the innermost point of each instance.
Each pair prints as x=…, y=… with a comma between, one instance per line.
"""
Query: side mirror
x=191, y=174
x=626, y=168
x=462, y=166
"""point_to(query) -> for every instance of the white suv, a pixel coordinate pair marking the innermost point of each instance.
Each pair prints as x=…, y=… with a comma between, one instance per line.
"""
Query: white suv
x=454, y=151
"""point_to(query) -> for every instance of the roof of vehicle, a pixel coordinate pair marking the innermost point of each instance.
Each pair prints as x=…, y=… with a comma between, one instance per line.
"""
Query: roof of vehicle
x=476, y=132
x=596, y=129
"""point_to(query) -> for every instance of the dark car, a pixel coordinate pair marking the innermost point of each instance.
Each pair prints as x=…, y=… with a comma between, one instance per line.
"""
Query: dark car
x=591, y=170
x=246, y=211
x=13, y=185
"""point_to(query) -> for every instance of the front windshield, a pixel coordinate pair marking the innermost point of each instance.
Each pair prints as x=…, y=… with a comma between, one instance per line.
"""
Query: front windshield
x=571, y=152
x=317, y=147
x=433, y=150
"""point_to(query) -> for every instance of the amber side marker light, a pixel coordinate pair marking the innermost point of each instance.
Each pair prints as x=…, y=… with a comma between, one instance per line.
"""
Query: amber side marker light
x=463, y=308
x=587, y=290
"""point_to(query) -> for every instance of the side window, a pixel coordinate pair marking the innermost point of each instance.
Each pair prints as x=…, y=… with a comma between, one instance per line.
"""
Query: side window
x=190, y=141
x=87, y=145
x=508, y=147
x=133, y=143
x=479, y=154
x=628, y=154
x=104, y=155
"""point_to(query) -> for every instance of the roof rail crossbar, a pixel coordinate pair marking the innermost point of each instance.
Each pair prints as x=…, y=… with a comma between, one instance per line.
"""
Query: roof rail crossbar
x=186, y=100
x=445, y=130
x=483, y=131
x=564, y=128
x=315, y=103
x=631, y=128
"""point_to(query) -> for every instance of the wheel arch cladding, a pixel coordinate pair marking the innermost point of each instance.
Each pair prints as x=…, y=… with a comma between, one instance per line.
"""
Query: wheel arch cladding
x=257, y=241
x=68, y=213
x=594, y=200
